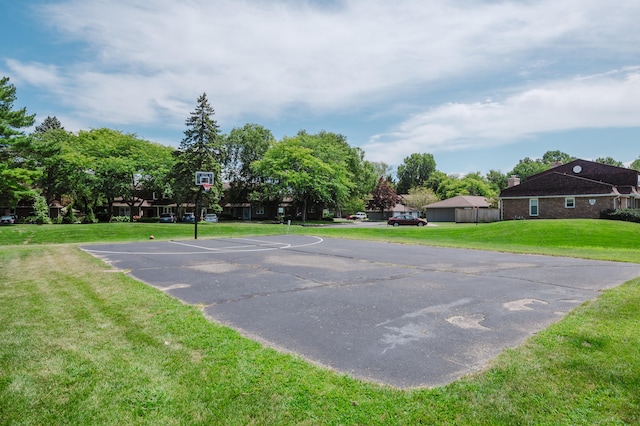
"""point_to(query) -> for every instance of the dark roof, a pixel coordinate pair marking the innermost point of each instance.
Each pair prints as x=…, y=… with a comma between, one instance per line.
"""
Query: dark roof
x=579, y=177
x=618, y=176
x=461, y=201
x=558, y=184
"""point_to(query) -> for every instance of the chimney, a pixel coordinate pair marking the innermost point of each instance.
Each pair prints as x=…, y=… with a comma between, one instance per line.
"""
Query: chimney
x=513, y=181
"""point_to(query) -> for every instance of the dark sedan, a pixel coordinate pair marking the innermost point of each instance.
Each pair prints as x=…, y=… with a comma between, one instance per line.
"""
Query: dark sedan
x=406, y=219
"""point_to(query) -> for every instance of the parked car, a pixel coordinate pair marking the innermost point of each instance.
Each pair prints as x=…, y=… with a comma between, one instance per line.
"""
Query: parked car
x=7, y=220
x=406, y=219
x=189, y=218
x=167, y=218
x=357, y=216
x=211, y=217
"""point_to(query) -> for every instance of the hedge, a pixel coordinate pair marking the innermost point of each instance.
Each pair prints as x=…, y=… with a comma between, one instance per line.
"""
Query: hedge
x=627, y=215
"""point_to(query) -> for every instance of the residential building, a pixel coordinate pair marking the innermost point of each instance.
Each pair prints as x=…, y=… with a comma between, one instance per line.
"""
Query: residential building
x=579, y=189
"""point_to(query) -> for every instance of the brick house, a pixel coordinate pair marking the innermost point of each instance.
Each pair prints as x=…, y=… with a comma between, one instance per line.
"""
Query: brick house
x=579, y=189
x=147, y=204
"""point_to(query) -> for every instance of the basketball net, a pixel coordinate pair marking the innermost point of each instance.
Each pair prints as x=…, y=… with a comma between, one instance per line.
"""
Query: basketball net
x=206, y=187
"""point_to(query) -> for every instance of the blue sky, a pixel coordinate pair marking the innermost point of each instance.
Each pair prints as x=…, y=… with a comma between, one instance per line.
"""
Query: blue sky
x=480, y=84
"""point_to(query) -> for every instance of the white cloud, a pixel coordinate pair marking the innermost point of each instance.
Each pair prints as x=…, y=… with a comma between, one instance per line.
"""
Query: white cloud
x=146, y=62
x=284, y=52
x=36, y=73
x=607, y=100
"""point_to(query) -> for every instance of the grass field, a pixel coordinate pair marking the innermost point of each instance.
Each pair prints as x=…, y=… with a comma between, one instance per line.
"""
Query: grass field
x=84, y=345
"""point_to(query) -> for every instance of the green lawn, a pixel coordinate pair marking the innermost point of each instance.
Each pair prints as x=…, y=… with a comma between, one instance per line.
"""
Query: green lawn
x=592, y=239
x=84, y=345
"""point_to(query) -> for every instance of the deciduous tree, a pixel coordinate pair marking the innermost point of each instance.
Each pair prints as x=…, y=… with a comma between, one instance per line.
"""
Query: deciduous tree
x=382, y=169
x=108, y=164
x=609, y=161
x=321, y=169
x=497, y=179
x=355, y=178
x=295, y=171
x=556, y=157
x=419, y=197
x=242, y=147
x=383, y=197
x=528, y=167
x=471, y=184
x=45, y=151
x=414, y=171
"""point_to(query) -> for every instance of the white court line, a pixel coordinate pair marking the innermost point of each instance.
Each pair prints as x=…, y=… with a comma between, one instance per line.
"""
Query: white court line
x=236, y=248
x=212, y=250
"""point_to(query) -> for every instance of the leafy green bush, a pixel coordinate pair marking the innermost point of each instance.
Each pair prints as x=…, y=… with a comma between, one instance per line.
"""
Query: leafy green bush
x=627, y=215
x=40, y=210
x=148, y=219
x=69, y=216
x=90, y=217
x=120, y=219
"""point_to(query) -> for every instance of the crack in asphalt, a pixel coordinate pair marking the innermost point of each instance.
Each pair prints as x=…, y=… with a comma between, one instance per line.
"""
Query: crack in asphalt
x=318, y=285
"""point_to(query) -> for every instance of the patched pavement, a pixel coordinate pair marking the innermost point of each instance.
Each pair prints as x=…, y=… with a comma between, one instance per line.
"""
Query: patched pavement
x=402, y=315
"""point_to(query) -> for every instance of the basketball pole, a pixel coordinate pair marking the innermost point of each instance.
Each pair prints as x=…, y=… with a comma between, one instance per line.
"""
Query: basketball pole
x=202, y=179
x=197, y=215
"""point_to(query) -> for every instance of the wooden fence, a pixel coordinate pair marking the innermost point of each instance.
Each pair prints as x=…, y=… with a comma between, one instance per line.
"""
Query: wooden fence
x=477, y=215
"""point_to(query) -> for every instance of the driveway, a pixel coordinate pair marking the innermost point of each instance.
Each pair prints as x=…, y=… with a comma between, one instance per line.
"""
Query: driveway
x=402, y=315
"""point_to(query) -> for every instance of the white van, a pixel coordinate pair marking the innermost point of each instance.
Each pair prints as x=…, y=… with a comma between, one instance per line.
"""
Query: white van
x=358, y=216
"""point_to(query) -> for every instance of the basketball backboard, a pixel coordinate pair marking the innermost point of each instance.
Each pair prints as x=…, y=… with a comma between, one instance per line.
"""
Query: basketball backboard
x=204, y=177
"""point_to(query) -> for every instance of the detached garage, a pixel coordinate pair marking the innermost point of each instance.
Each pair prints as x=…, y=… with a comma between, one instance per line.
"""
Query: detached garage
x=445, y=211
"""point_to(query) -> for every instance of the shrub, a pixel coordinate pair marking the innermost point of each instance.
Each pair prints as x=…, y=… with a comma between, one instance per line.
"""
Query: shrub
x=90, y=217
x=40, y=210
x=148, y=219
x=627, y=215
x=69, y=216
x=120, y=219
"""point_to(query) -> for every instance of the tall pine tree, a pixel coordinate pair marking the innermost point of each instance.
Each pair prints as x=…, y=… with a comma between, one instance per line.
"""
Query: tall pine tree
x=49, y=123
x=15, y=178
x=200, y=150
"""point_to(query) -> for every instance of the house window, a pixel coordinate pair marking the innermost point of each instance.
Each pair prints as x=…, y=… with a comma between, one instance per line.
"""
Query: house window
x=166, y=209
x=260, y=210
x=155, y=196
x=165, y=196
x=124, y=211
x=569, y=203
x=533, y=207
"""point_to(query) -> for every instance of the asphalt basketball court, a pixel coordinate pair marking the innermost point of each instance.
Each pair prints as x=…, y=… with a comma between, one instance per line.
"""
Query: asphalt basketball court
x=401, y=315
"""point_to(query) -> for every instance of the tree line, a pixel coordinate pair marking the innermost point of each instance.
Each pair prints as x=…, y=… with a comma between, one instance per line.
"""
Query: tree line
x=94, y=168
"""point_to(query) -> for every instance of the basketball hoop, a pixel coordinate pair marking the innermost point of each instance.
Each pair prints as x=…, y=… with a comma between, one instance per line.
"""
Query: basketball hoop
x=206, y=187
